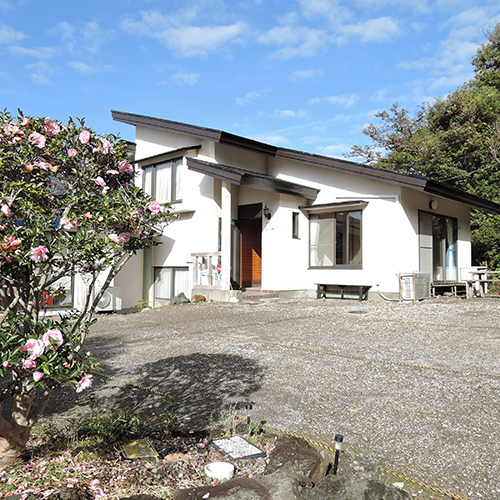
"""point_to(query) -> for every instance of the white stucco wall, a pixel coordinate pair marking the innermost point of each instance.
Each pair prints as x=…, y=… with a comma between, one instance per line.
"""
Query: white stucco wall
x=390, y=243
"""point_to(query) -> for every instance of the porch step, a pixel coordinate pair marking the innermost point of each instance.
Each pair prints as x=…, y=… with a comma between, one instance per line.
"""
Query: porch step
x=258, y=294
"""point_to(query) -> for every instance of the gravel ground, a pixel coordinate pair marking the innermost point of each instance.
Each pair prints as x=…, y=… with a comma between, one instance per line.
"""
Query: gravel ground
x=412, y=385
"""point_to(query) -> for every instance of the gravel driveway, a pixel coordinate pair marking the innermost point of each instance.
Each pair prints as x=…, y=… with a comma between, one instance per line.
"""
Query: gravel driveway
x=415, y=386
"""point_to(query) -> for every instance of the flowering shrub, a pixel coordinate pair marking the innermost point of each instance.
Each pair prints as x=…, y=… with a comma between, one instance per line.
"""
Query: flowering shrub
x=68, y=205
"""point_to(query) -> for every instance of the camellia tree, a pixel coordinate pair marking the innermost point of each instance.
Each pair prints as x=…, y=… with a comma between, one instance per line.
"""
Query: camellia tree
x=68, y=206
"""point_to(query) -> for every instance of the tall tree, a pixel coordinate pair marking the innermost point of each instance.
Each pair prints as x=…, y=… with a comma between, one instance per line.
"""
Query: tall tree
x=455, y=140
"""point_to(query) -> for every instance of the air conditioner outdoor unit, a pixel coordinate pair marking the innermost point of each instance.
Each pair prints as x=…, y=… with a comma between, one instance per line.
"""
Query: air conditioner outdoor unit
x=111, y=300
x=414, y=286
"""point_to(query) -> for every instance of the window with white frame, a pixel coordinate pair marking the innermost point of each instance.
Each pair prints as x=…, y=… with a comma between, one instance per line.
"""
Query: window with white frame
x=163, y=181
x=335, y=239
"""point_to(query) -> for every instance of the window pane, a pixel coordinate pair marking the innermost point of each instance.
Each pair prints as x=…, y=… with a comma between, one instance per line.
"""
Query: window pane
x=321, y=254
x=163, y=282
x=340, y=238
x=163, y=182
x=177, y=192
x=355, y=238
x=181, y=281
x=148, y=180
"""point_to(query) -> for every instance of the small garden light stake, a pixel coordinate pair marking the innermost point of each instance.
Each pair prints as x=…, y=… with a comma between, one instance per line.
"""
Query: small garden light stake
x=248, y=407
x=338, y=448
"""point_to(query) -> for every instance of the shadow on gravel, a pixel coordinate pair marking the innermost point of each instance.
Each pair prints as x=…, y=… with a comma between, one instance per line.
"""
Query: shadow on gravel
x=206, y=384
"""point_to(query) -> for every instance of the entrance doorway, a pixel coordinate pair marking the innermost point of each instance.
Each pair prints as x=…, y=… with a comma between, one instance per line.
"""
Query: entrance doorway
x=438, y=246
x=250, y=226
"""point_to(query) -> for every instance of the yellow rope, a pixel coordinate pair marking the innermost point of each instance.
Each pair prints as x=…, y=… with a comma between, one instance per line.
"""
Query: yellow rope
x=315, y=351
x=292, y=434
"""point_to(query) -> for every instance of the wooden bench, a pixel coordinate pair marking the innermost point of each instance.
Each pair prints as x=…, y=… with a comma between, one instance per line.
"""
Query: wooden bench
x=323, y=289
x=481, y=279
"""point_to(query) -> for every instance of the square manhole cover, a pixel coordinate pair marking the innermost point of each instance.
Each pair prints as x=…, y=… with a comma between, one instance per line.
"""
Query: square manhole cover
x=238, y=447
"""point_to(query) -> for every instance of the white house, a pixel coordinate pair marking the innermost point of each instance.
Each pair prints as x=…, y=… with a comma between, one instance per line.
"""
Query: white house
x=256, y=216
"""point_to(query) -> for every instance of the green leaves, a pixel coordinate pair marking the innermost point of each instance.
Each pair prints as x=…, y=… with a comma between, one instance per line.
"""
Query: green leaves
x=69, y=193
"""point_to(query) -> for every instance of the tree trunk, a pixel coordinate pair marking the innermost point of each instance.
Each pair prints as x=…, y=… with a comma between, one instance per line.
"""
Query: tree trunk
x=13, y=445
x=15, y=428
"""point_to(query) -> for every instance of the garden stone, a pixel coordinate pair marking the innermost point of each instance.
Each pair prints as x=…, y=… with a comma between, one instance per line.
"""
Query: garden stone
x=277, y=486
x=298, y=458
x=140, y=497
x=347, y=488
x=180, y=298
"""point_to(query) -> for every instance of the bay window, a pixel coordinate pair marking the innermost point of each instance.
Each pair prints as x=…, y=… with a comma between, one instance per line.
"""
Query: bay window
x=335, y=239
x=163, y=181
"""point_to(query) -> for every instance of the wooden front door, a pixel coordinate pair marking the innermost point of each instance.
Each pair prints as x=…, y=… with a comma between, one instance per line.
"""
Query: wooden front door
x=251, y=239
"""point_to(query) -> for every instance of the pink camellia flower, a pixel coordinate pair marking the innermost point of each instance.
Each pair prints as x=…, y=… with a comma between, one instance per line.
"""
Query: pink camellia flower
x=155, y=207
x=28, y=167
x=124, y=237
x=25, y=122
x=84, y=136
x=39, y=254
x=115, y=238
x=52, y=336
x=6, y=210
x=37, y=140
x=87, y=215
x=72, y=152
x=5, y=364
x=33, y=346
x=67, y=223
x=85, y=382
x=37, y=376
x=51, y=127
x=105, y=145
x=99, y=181
x=125, y=168
x=28, y=364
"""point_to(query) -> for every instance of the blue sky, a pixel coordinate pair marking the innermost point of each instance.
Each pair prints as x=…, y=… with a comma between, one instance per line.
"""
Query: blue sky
x=301, y=74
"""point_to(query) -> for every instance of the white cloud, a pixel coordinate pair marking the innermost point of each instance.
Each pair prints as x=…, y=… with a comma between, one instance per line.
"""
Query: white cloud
x=374, y=30
x=94, y=36
x=183, y=39
x=288, y=113
x=326, y=9
x=296, y=41
x=195, y=41
x=38, y=53
x=87, y=69
x=185, y=78
x=335, y=150
x=81, y=67
x=9, y=35
x=419, y=6
x=41, y=72
x=277, y=140
x=248, y=98
x=343, y=100
x=307, y=74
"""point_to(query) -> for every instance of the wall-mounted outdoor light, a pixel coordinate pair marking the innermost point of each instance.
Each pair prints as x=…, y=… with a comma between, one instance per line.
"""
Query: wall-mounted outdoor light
x=338, y=448
x=266, y=212
x=433, y=204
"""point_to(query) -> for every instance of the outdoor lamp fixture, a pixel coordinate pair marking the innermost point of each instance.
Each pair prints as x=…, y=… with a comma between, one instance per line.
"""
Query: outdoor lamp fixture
x=338, y=448
x=267, y=212
x=433, y=204
x=248, y=407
